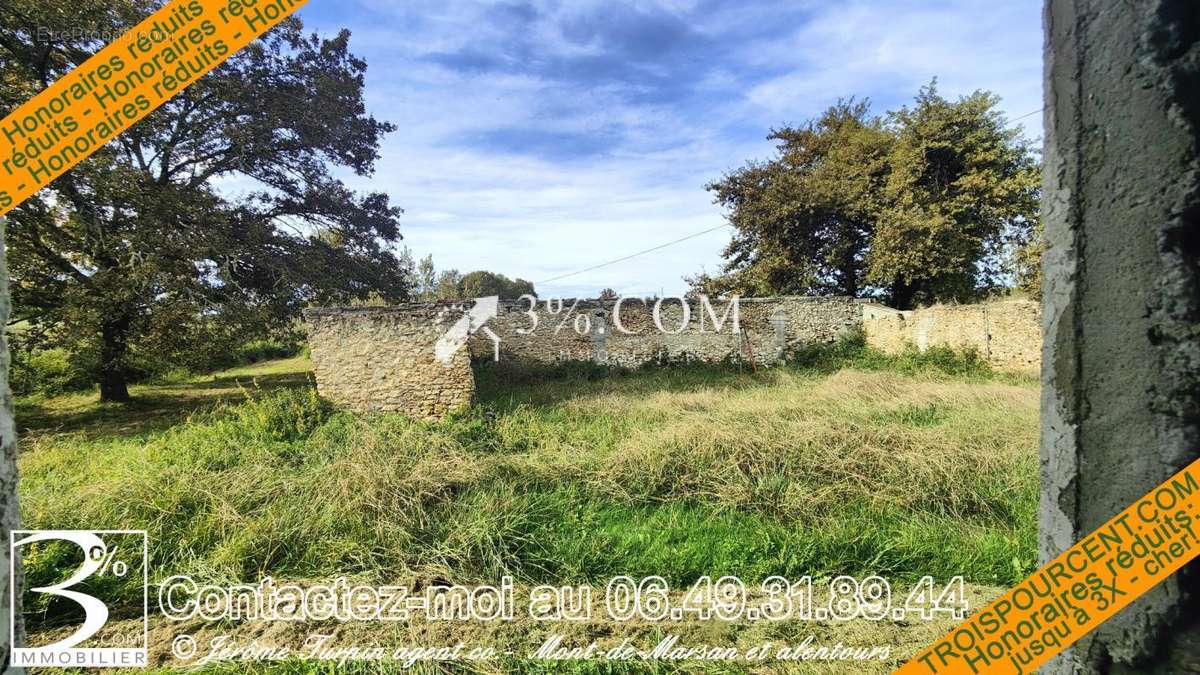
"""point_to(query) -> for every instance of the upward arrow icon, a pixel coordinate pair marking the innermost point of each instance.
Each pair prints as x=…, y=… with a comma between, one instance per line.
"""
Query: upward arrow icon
x=473, y=321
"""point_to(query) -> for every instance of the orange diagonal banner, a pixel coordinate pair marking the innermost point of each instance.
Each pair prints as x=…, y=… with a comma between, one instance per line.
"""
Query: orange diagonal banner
x=121, y=84
x=1078, y=590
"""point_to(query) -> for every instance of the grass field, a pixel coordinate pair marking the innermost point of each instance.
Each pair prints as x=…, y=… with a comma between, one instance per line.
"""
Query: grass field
x=889, y=467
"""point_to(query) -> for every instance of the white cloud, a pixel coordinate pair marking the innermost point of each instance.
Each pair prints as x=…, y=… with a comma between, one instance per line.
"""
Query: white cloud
x=548, y=158
x=855, y=48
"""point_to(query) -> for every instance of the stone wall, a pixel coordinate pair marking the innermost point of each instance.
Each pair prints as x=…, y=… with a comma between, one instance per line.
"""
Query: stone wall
x=383, y=358
x=1007, y=334
x=627, y=335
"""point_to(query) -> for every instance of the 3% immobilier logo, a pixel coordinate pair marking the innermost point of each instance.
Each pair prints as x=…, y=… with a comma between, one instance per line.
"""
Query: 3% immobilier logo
x=83, y=598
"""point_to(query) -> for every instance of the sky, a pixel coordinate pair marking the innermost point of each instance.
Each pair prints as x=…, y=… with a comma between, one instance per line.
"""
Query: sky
x=539, y=138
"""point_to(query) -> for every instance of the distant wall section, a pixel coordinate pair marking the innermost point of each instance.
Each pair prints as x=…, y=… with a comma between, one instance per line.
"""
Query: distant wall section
x=1007, y=334
x=384, y=358
x=628, y=334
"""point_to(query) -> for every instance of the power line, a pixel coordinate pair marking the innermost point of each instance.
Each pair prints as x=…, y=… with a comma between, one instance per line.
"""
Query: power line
x=1015, y=119
x=633, y=255
x=690, y=236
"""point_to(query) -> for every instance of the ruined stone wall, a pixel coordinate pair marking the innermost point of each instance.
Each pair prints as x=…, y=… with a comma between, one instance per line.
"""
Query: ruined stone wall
x=627, y=335
x=382, y=359
x=1007, y=334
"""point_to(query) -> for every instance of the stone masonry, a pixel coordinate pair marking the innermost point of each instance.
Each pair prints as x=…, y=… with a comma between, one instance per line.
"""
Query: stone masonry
x=601, y=332
x=1007, y=334
x=383, y=358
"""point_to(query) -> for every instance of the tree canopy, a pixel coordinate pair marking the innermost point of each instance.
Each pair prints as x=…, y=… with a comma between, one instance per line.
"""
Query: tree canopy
x=452, y=285
x=928, y=203
x=481, y=284
x=216, y=217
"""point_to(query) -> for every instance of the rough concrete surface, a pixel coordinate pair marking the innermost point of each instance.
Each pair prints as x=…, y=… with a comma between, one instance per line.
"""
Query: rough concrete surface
x=1121, y=396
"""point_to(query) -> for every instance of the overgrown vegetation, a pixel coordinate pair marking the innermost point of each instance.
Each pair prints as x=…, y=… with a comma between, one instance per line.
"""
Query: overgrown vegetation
x=53, y=372
x=47, y=372
x=904, y=471
x=852, y=351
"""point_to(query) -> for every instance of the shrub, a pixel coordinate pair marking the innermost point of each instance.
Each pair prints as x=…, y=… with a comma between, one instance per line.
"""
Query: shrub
x=48, y=372
x=826, y=357
x=852, y=351
x=287, y=416
x=267, y=350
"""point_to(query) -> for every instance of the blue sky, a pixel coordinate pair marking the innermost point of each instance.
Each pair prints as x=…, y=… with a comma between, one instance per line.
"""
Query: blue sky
x=537, y=138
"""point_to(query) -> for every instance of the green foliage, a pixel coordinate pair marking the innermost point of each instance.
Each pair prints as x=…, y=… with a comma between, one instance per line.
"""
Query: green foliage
x=528, y=374
x=269, y=349
x=450, y=285
x=829, y=357
x=426, y=276
x=683, y=541
x=48, y=372
x=962, y=188
x=928, y=415
x=852, y=351
x=1028, y=263
x=482, y=284
x=51, y=372
x=284, y=418
x=52, y=562
x=925, y=205
x=134, y=259
x=804, y=220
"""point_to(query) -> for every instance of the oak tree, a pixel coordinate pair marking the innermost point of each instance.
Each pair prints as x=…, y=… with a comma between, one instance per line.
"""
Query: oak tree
x=805, y=218
x=215, y=218
x=938, y=202
x=962, y=194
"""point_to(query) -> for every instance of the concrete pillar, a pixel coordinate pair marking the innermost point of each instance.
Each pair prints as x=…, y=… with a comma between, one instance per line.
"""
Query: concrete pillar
x=1121, y=373
x=8, y=470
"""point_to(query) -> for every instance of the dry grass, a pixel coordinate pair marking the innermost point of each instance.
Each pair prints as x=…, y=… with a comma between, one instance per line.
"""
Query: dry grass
x=280, y=483
x=679, y=474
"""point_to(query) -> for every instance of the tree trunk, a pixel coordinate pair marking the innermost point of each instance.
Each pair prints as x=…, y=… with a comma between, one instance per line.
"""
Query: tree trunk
x=902, y=294
x=8, y=479
x=113, y=350
x=1121, y=294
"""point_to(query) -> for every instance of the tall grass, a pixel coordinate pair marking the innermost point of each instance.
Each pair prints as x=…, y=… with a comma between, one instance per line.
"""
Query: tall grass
x=659, y=472
x=852, y=351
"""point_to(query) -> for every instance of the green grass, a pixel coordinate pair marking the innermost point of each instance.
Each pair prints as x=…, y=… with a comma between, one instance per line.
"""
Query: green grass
x=574, y=477
x=852, y=351
x=155, y=407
